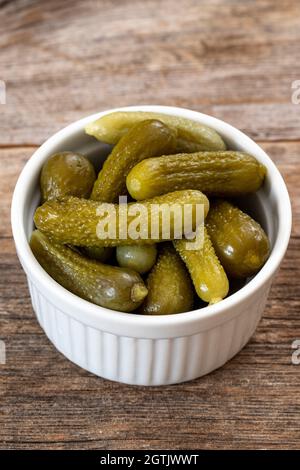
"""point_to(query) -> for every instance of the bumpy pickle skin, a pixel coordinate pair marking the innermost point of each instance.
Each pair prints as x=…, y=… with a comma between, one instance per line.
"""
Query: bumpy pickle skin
x=240, y=242
x=67, y=174
x=70, y=174
x=226, y=173
x=108, y=286
x=169, y=285
x=145, y=139
x=141, y=258
x=207, y=273
x=82, y=222
x=191, y=135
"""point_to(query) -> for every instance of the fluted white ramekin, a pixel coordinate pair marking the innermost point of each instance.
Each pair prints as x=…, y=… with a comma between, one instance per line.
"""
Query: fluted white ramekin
x=149, y=350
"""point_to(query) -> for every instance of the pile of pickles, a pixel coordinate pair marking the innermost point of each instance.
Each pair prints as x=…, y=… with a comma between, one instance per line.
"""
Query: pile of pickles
x=156, y=158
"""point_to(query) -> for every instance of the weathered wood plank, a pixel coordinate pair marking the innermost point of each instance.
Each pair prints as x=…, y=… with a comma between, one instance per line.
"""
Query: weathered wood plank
x=235, y=60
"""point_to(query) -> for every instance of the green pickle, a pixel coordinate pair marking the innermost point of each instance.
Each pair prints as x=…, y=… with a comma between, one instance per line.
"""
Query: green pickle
x=82, y=222
x=226, y=173
x=207, y=273
x=240, y=242
x=109, y=286
x=191, y=135
x=169, y=285
x=145, y=139
x=141, y=258
x=67, y=174
x=71, y=174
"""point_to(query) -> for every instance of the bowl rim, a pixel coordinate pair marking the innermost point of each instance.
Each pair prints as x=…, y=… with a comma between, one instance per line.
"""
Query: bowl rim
x=115, y=320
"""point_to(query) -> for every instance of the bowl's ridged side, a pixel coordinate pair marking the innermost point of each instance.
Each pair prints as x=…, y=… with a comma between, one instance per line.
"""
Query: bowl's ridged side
x=146, y=361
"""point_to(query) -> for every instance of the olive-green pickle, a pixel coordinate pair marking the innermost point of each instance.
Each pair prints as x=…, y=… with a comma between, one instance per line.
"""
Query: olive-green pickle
x=141, y=258
x=67, y=174
x=191, y=135
x=239, y=241
x=169, y=285
x=70, y=174
x=145, y=139
x=109, y=286
x=207, y=273
x=82, y=222
x=224, y=173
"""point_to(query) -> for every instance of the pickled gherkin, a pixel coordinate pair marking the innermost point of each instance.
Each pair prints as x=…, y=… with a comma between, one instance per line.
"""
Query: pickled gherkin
x=109, y=286
x=71, y=174
x=141, y=258
x=67, y=174
x=82, y=222
x=145, y=139
x=169, y=285
x=191, y=135
x=239, y=241
x=207, y=273
x=226, y=173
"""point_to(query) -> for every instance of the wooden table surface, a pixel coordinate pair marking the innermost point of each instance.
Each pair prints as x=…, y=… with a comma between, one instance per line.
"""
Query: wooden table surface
x=61, y=61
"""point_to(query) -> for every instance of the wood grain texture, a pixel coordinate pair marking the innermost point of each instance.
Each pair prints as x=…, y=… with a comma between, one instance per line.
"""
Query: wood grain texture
x=235, y=60
x=63, y=60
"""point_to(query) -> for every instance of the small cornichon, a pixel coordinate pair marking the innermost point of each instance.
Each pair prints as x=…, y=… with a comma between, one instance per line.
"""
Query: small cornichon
x=67, y=174
x=71, y=174
x=226, y=173
x=109, y=286
x=141, y=258
x=240, y=242
x=145, y=139
x=169, y=285
x=191, y=135
x=82, y=222
x=207, y=273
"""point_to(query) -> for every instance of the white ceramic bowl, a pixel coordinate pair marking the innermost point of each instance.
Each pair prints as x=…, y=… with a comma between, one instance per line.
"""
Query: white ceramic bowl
x=149, y=350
